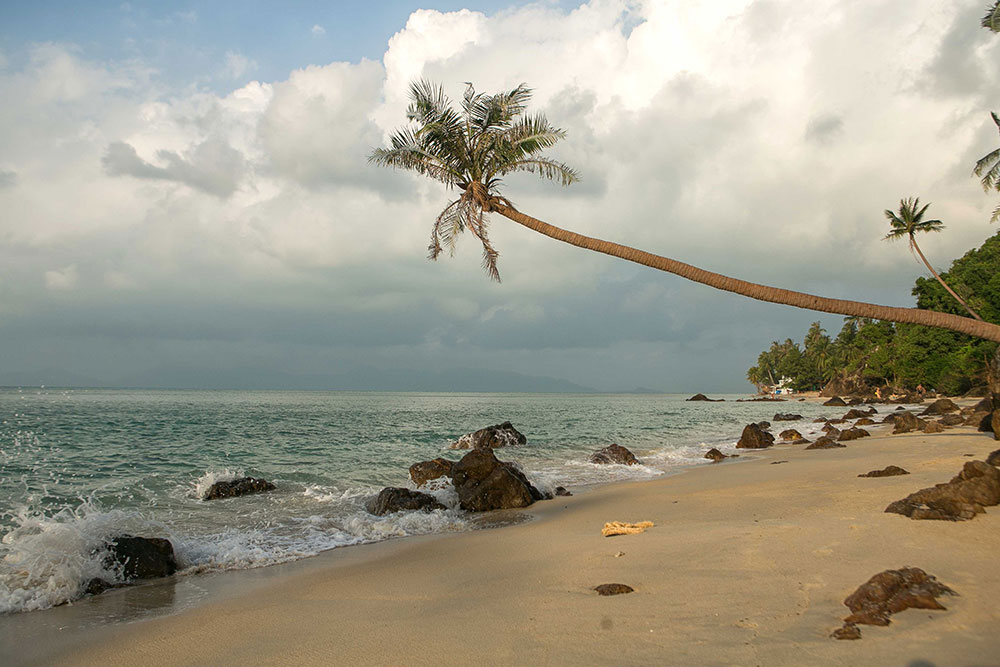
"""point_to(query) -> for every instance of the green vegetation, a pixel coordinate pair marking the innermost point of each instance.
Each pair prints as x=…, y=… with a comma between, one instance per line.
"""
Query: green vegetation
x=880, y=353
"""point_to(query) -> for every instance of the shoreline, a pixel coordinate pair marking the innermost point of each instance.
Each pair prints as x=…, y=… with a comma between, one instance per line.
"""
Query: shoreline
x=746, y=564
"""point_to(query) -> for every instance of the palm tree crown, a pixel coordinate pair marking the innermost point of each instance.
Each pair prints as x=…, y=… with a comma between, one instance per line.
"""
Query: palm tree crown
x=991, y=20
x=906, y=224
x=988, y=166
x=472, y=149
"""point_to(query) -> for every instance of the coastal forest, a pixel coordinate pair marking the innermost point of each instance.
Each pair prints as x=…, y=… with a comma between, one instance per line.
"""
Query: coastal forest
x=868, y=353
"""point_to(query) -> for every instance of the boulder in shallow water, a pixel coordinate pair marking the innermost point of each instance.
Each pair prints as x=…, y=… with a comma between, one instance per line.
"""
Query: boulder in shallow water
x=491, y=437
x=854, y=413
x=836, y=401
x=703, y=397
x=715, y=455
x=396, y=499
x=562, y=491
x=786, y=417
x=614, y=454
x=888, y=471
x=864, y=421
x=425, y=471
x=754, y=437
x=141, y=557
x=237, y=487
x=484, y=483
x=961, y=499
x=791, y=435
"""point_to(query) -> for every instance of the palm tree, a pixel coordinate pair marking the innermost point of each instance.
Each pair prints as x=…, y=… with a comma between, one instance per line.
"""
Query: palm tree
x=906, y=224
x=471, y=150
x=991, y=21
x=988, y=166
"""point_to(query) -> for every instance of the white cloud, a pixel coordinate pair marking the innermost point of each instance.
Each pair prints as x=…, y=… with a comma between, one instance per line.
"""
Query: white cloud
x=318, y=30
x=62, y=279
x=237, y=65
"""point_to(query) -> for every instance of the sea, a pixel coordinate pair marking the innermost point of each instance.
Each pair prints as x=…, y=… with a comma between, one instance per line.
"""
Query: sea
x=79, y=466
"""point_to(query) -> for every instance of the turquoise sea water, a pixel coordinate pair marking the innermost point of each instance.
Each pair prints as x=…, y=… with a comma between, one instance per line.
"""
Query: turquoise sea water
x=78, y=466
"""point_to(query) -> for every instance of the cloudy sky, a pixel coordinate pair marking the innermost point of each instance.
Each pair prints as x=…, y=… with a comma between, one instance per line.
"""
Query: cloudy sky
x=184, y=191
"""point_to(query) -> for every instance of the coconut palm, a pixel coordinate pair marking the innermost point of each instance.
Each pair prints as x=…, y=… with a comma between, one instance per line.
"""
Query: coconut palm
x=991, y=20
x=988, y=168
x=906, y=224
x=488, y=139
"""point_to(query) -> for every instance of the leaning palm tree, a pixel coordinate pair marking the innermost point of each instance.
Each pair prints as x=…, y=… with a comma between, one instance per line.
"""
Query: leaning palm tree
x=988, y=167
x=489, y=138
x=906, y=224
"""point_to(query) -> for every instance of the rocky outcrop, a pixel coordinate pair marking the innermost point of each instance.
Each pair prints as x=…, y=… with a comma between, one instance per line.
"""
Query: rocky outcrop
x=904, y=422
x=962, y=498
x=491, y=437
x=791, y=435
x=786, y=417
x=890, y=592
x=855, y=413
x=852, y=434
x=994, y=458
x=614, y=454
x=703, y=397
x=826, y=442
x=864, y=421
x=425, y=471
x=983, y=421
x=484, y=483
x=942, y=406
x=932, y=427
x=396, y=499
x=952, y=420
x=836, y=401
x=754, y=437
x=830, y=430
x=888, y=471
x=237, y=487
x=613, y=589
x=141, y=557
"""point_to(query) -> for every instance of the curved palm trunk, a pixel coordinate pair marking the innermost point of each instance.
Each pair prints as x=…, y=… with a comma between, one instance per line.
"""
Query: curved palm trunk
x=943, y=283
x=929, y=318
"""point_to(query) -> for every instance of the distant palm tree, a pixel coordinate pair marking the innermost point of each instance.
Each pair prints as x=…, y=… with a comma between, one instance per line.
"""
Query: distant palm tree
x=988, y=167
x=474, y=148
x=991, y=21
x=906, y=224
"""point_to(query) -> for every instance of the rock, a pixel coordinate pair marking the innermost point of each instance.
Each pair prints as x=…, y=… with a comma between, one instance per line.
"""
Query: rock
x=864, y=421
x=932, y=427
x=826, y=442
x=983, y=421
x=141, y=557
x=613, y=589
x=855, y=401
x=614, y=454
x=703, y=397
x=715, y=455
x=848, y=631
x=976, y=487
x=96, y=586
x=854, y=413
x=491, y=437
x=892, y=591
x=836, y=401
x=484, y=483
x=821, y=420
x=951, y=420
x=985, y=405
x=900, y=408
x=764, y=425
x=786, y=417
x=994, y=458
x=942, y=406
x=791, y=435
x=831, y=430
x=904, y=422
x=562, y=491
x=396, y=499
x=852, y=434
x=888, y=471
x=237, y=487
x=425, y=471
x=754, y=437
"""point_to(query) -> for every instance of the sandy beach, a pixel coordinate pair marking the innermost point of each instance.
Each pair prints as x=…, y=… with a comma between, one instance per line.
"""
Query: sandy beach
x=748, y=564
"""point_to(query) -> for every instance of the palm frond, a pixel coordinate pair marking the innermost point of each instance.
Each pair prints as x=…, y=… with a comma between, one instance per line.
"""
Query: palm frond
x=989, y=168
x=991, y=20
x=548, y=169
x=996, y=214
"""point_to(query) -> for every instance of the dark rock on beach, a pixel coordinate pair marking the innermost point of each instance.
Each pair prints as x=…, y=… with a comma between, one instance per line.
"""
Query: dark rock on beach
x=613, y=589
x=491, y=437
x=932, y=427
x=854, y=413
x=715, y=455
x=562, y=491
x=614, y=454
x=983, y=421
x=962, y=498
x=791, y=435
x=786, y=417
x=852, y=434
x=703, y=397
x=754, y=437
x=904, y=422
x=864, y=421
x=892, y=591
x=826, y=442
x=484, y=483
x=836, y=401
x=765, y=425
x=237, y=487
x=952, y=420
x=396, y=499
x=942, y=406
x=141, y=557
x=994, y=458
x=425, y=471
x=888, y=471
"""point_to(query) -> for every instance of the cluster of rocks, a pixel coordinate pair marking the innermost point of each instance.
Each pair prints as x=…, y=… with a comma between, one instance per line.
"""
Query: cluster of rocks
x=887, y=593
x=967, y=494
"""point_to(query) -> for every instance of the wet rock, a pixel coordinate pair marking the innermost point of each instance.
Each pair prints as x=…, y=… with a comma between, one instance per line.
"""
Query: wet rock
x=141, y=557
x=614, y=454
x=904, y=422
x=484, y=483
x=836, y=401
x=491, y=437
x=96, y=586
x=791, y=435
x=892, y=591
x=754, y=437
x=826, y=442
x=855, y=413
x=703, y=397
x=562, y=491
x=613, y=589
x=786, y=417
x=852, y=434
x=888, y=471
x=396, y=499
x=831, y=430
x=715, y=455
x=942, y=406
x=952, y=420
x=765, y=425
x=994, y=458
x=237, y=487
x=821, y=420
x=425, y=471
x=932, y=427
x=976, y=487
x=864, y=421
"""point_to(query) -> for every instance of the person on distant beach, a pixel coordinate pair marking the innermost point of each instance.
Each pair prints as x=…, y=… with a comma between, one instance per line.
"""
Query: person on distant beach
x=878, y=393
x=920, y=389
